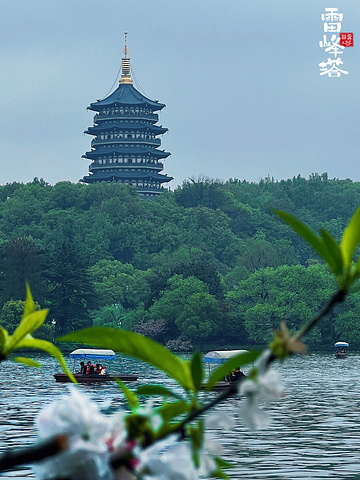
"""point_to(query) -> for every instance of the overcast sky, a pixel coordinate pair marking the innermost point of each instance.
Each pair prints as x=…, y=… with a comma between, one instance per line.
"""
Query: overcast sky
x=240, y=80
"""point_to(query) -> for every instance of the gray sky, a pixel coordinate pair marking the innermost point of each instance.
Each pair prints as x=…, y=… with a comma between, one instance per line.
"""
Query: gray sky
x=240, y=80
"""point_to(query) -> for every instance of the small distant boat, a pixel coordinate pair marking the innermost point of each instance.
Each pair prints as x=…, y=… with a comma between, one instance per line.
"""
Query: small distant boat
x=216, y=358
x=341, y=351
x=98, y=356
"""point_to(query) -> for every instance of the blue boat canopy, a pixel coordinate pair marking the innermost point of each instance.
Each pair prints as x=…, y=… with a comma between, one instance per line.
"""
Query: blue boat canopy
x=221, y=356
x=93, y=353
x=341, y=345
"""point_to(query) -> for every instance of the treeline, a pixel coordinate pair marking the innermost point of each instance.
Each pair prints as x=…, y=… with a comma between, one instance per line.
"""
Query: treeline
x=207, y=264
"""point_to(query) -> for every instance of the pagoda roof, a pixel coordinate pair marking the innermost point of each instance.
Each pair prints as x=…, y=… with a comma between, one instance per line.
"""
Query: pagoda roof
x=126, y=125
x=130, y=175
x=92, y=154
x=125, y=94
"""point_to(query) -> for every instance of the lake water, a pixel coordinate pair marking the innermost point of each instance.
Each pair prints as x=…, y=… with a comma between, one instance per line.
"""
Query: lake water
x=315, y=431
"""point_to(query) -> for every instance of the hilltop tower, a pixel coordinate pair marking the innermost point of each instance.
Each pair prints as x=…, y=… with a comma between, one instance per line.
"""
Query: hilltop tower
x=126, y=144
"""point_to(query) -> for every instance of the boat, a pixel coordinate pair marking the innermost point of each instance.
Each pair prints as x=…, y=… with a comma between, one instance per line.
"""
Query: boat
x=341, y=351
x=94, y=355
x=218, y=357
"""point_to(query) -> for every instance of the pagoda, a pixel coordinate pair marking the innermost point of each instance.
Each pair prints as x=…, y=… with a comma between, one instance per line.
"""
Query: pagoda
x=125, y=148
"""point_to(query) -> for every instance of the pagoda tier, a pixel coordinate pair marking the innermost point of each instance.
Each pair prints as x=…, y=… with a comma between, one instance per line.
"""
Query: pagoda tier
x=132, y=154
x=113, y=128
x=125, y=144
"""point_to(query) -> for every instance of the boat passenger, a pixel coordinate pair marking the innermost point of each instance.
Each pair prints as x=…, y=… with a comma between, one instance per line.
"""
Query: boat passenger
x=98, y=368
x=236, y=375
x=82, y=368
x=90, y=369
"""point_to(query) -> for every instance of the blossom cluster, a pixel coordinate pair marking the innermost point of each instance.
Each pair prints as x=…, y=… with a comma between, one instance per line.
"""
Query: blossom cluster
x=94, y=439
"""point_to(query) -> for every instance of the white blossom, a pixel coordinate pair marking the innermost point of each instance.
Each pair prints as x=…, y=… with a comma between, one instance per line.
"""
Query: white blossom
x=87, y=457
x=219, y=421
x=268, y=385
x=168, y=459
x=212, y=446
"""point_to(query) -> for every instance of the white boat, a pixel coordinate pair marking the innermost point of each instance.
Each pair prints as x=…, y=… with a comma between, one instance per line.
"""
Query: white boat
x=218, y=357
x=341, y=351
x=99, y=356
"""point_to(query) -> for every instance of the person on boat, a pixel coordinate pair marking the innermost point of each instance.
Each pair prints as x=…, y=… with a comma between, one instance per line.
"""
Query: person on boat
x=98, y=368
x=82, y=368
x=236, y=375
x=90, y=369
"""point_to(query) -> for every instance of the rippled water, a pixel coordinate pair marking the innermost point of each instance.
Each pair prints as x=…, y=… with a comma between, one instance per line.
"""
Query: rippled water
x=315, y=432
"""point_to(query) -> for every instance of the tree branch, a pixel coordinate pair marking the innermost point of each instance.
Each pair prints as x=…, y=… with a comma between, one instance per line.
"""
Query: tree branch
x=34, y=453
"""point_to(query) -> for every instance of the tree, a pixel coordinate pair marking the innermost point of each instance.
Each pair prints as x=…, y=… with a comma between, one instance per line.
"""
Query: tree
x=173, y=299
x=269, y=296
x=154, y=329
x=200, y=318
x=118, y=283
x=21, y=263
x=346, y=321
x=11, y=314
x=188, y=308
x=72, y=294
x=117, y=316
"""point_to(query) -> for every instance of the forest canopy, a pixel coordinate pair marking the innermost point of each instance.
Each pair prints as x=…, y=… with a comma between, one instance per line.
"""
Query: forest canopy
x=207, y=264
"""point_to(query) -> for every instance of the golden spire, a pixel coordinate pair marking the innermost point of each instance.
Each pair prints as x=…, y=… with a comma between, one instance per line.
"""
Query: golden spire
x=125, y=67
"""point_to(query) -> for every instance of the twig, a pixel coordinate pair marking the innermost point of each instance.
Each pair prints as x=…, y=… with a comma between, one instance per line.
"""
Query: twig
x=34, y=453
x=119, y=459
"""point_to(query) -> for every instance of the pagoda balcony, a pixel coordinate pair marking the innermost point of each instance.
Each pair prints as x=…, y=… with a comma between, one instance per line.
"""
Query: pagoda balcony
x=154, y=142
x=128, y=116
x=127, y=166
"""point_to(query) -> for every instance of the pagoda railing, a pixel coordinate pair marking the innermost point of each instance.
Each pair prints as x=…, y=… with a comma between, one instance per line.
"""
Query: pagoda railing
x=127, y=116
x=127, y=167
x=144, y=141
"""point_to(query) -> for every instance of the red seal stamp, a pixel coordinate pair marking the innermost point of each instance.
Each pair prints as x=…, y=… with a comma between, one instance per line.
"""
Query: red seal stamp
x=347, y=39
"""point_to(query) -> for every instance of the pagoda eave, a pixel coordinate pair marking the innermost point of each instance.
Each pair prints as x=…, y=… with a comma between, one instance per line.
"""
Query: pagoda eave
x=103, y=127
x=126, y=95
x=94, y=154
x=105, y=176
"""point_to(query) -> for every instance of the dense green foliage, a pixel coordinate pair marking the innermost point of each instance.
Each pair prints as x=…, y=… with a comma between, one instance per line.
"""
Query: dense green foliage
x=208, y=264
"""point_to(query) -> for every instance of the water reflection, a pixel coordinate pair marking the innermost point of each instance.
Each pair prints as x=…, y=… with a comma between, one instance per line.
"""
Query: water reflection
x=314, y=434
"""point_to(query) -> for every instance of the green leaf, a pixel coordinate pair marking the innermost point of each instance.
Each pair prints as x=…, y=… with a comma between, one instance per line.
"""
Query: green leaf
x=195, y=434
x=28, y=324
x=334, y=256
x=48, y=347
x=221, y=463
x=302, y=230
x=130, y=396
x=220, y=474
x=197, y=370
x=137, y=346
x=27, y=361
x=351, y=238
x=172, y=410
x=234, y=362
x=4, y=339
x=29, y=306
x=152, y=390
